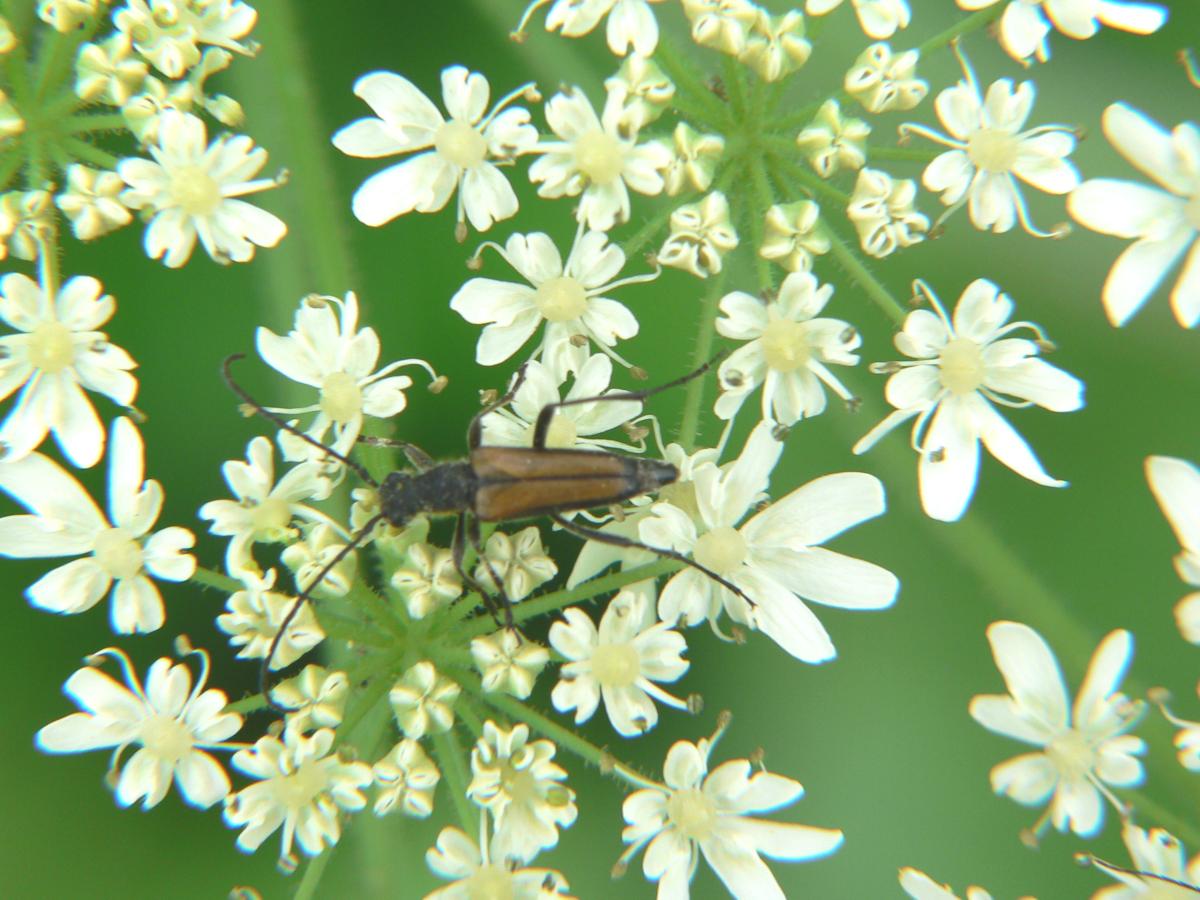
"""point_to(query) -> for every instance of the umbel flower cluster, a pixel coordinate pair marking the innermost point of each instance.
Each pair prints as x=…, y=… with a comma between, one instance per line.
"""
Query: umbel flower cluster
x=420, y=650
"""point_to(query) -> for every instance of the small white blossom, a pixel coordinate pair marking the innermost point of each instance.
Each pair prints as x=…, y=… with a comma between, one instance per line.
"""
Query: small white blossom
x=516, y=780
x=66, y=15
x=109, y=71
x=56, y=352
x=302, y=788
x=621, y=663
x=308, y=557
x=1176, y=486
x=573, y=427
x=1080, y=751
x=191, y=189
x=508, y=662
x=775, y=45
x=1164, y=220
x=23, y=214
x=958, y=370
x=722, y=24
x=882, y=211
x=793, y=235
x=483, y=874
x=1025, y=23
x=462, y=153
x=169, y=34
x=832, y=142
x=694, y=158
x=631, y=23
x=264, y=510
x=406, y=779
x=647, y=89
x=255, y=615
x=519, y=561
x=701, y=233
x=1159, y=871
x=123, y=552
x=882, y=81
x=879, y=19
x=170, y=721
x=428, y=580
x=774, y=558
x=697, y=812
x=920, y=886
x=570, y=299
x=92, y=202
x=788, y=350
x=596, y=158
x=423, y=701
x=316, y=698
x=991, y=149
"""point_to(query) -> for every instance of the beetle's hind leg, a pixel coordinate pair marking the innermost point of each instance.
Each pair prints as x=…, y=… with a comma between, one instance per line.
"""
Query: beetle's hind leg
x=466, y=530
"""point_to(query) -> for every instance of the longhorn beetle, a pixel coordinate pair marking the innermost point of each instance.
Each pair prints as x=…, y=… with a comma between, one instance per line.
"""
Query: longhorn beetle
x=496, y=484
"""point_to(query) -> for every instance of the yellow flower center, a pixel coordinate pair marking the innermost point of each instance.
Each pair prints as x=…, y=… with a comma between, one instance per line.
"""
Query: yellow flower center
x=51, y=348
x=993, y=150
x=692, y=814
x=166, y=737
x=961, y=366
x=784, y=345
x=302, y=787
x=599, y=156
x=560, y=299
x=562, y=433
x=520, y=785
x=683, y=495
x=341, y=397
x=490, y=882
x=460, y=144
x=1071, y=755
x=723, y=549
x=195, y=191
x=118, y=553
x=272, y=516
x=616, y=665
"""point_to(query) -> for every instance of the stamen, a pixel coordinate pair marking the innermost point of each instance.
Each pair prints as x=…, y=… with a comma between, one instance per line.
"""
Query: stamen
x=528, y=92
x=519, y=34
x=921, y=288
x=910, y=128
x=1188, y=60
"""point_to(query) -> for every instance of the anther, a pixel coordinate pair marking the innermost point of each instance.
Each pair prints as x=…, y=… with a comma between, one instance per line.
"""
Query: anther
x=695, y=704
x=460, y=232
x=637, y=373
x=438, y=384
x=780, y=432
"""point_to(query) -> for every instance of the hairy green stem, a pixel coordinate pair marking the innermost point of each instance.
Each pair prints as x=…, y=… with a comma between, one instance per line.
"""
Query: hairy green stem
x=89, y=153
x=699, y=93
x=706, y=333
x=209, y=578
x=452, y=761
x=870, y=285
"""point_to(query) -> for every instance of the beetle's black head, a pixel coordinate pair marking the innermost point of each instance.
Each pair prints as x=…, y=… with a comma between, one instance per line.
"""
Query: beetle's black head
x=397, y=502
x=652, y=474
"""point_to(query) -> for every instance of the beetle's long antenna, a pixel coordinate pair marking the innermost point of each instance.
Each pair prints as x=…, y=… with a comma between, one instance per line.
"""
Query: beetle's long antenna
x=546, y=415
x=287, y=426
x=303, y=597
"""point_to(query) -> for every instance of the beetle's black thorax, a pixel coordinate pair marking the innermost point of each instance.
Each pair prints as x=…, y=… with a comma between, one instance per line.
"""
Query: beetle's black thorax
x=445, y=488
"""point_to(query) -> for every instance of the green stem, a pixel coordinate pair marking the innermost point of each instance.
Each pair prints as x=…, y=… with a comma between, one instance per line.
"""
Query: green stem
x=973, y=22
x=88, y=153
x=654, y=224
x=734, y=78
x=452, y=761
x=780, y=151
x=312, y=875
x=914, y=154
x=870, y=285
x=696, y=91
x=706, y=333
x=84, y=123
x=1151, y=811
x=366, y=700
x=343, y=628
x=764, y=199
x=209, y=578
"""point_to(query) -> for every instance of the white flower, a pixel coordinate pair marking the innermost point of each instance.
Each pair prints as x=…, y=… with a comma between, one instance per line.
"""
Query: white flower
x=66, y=522
x=1164, y=222
x=109, y=71
x=570, y=299
x=1176, y=486
x=648, y=91
x=694, y=158
x=483, y=874
x=264, y=510
x=700, y=234
x=619, y=663
x=879, y=19
x=775, y=45
x=190, y=190
x=832, y=142
x=958, y=369
x=508, y=662
x=66, y=15
x=701, y=812
x=920, y=886
x=774, y=558
x=423, y=701
x=429, y=581
x=1080, y=750
x=328, y=351
x=302, y=788
x=517, y=782
x=519, y=561
x=168, y=34
x=882, y=211
x=597, y=158
x=171, y=721
x=882, y=81
x=572, y=427
x=722, y=24
x=92, y=202
x=255, y=615
x=1025, y=23
x=793, y=235
x=56, y=351
x=314, y=699
x=407, y=779
x=631, y=23
x=1160, y=870
x=460, y=154
x=990, y=148
x=787, y=350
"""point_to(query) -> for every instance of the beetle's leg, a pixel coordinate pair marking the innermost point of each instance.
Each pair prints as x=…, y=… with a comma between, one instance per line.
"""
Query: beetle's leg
x=594, y=534
x=465, y=533
x=475, y=431
x=420, y=460
x=304, y=597
x=546, y=415
x=476, y=544
x=287, y=426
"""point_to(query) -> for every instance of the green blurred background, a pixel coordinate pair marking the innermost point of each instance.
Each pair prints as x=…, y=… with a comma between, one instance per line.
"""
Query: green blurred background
x=880, y=737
